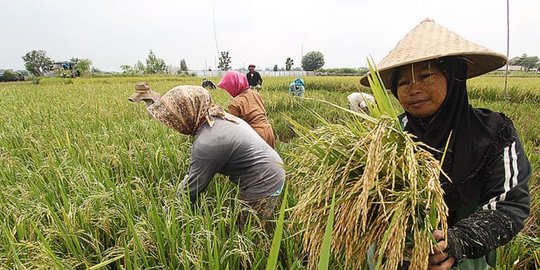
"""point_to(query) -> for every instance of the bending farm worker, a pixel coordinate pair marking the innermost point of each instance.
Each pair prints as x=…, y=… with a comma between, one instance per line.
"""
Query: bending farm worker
x=359, y=101
x=143, y=92
x=223, y=144
x=296, y=88
x=247, y=104
x=208, y=84
x=487, y=193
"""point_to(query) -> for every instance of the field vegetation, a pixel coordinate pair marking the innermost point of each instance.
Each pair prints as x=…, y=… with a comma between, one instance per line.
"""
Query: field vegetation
x=88, y=180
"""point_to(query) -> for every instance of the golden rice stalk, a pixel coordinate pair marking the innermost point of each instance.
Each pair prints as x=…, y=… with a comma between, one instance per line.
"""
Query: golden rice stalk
x=387, y=190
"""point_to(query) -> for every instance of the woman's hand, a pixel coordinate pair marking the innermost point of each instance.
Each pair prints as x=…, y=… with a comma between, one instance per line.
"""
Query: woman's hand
x=439, y=259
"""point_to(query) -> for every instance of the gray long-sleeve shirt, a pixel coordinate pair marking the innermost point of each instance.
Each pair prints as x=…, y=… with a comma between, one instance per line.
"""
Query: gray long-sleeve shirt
x=237, y=151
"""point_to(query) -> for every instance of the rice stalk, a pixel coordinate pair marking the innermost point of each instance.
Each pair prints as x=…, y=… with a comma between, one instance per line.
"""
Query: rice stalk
x=386, y=185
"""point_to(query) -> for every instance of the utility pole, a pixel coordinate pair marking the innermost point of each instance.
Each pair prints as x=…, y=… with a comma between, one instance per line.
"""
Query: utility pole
x=301, y=54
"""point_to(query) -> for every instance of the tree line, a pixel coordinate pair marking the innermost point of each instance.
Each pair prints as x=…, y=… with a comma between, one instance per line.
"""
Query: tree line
x=526, y=62
x=38, y=63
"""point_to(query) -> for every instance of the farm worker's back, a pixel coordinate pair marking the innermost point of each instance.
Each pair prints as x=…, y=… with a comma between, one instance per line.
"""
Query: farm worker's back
x=222, y=144
x=247, y=104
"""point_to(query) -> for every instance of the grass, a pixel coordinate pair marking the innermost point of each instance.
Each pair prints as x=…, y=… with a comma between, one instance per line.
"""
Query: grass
x=88, y=180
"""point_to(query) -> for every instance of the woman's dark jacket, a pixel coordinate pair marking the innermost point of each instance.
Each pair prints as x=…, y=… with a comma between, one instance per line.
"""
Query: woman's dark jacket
x=488, y=194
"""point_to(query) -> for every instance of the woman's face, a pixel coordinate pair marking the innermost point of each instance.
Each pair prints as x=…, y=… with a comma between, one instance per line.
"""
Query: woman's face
x=421, y=88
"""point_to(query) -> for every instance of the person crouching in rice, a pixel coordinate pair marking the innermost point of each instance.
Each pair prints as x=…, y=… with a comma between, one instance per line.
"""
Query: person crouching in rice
x=360, y=102
x=223, y=144
x=247, y=104
x=297, y=88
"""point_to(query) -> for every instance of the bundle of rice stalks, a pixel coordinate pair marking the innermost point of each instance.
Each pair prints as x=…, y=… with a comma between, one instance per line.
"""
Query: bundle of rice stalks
x=386, y=185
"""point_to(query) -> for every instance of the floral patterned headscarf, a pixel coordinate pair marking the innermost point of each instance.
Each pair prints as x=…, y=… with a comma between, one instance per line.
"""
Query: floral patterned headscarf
x=186, y=108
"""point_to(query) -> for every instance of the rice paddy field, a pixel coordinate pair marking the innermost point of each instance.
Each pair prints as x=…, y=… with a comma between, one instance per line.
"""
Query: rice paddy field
x=88, y=180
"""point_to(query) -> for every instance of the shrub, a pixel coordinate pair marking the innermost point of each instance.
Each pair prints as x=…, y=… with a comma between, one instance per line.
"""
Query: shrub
x=9, y=76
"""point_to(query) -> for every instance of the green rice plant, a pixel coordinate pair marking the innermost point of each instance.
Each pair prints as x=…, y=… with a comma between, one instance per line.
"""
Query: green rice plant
x=386, y=185
x=276, y=242
x=324, y=256
x=77, y=161
x=522, y=253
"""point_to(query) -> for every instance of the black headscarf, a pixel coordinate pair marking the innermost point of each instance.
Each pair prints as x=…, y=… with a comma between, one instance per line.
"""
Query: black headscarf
x=473, y=130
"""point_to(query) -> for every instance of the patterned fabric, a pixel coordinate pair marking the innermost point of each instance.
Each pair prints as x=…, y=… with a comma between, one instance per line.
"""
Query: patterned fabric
x=296, y=90
x=359, y=101
x=234, y=83
x=186, y=108
x=264, y=208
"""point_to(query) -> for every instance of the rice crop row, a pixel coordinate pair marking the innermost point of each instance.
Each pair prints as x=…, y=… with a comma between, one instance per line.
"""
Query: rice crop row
x=88, y=180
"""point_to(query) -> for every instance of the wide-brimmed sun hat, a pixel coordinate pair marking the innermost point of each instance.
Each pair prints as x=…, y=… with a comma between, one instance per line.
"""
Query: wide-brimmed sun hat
x=430, y=40
x=142, y=86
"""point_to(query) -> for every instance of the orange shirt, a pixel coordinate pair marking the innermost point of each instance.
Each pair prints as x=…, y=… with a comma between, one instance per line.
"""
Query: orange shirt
x=249, y=106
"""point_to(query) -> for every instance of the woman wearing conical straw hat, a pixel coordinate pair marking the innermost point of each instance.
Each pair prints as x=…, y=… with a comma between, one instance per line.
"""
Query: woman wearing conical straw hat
x=222, y=144
x=487, y=193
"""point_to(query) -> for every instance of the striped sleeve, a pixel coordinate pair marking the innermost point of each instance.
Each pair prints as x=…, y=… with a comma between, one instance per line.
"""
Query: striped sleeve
x=504, y=207
x=506, y=185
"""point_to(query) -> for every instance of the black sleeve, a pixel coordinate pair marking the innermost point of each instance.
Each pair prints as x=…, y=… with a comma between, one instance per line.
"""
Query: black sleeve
x=260, y=79
x=505, y=205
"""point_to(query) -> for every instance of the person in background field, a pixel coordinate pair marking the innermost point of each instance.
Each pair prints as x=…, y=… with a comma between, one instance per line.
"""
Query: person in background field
x=296, y=88
x=208, y=84
x=247, y=104
x=487, y=193
x=254, y=78
x=222, y=144
x=359, y=101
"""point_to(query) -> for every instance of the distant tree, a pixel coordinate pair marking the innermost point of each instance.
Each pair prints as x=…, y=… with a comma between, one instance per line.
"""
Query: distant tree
x=84, y=66
x=127, y=69
x=312, y=61
x=529, y=62
x=74, y=60
x=526, y=62
x=183, y=65
x=139, y=67
x=95, y=70
x=224, y=61
x=154, y=65
x=37, y=62
x=275, y=68
x=9, y=76
x=288, y=63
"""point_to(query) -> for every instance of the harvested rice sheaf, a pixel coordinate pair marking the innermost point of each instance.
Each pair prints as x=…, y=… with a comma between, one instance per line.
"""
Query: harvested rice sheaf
x=387, y=191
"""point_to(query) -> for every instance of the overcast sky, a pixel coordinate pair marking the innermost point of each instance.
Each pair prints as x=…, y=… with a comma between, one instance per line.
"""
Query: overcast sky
x=116, y=32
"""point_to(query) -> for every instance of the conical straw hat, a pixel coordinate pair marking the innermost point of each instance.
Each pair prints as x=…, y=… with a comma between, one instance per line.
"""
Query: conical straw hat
x=430, y=40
